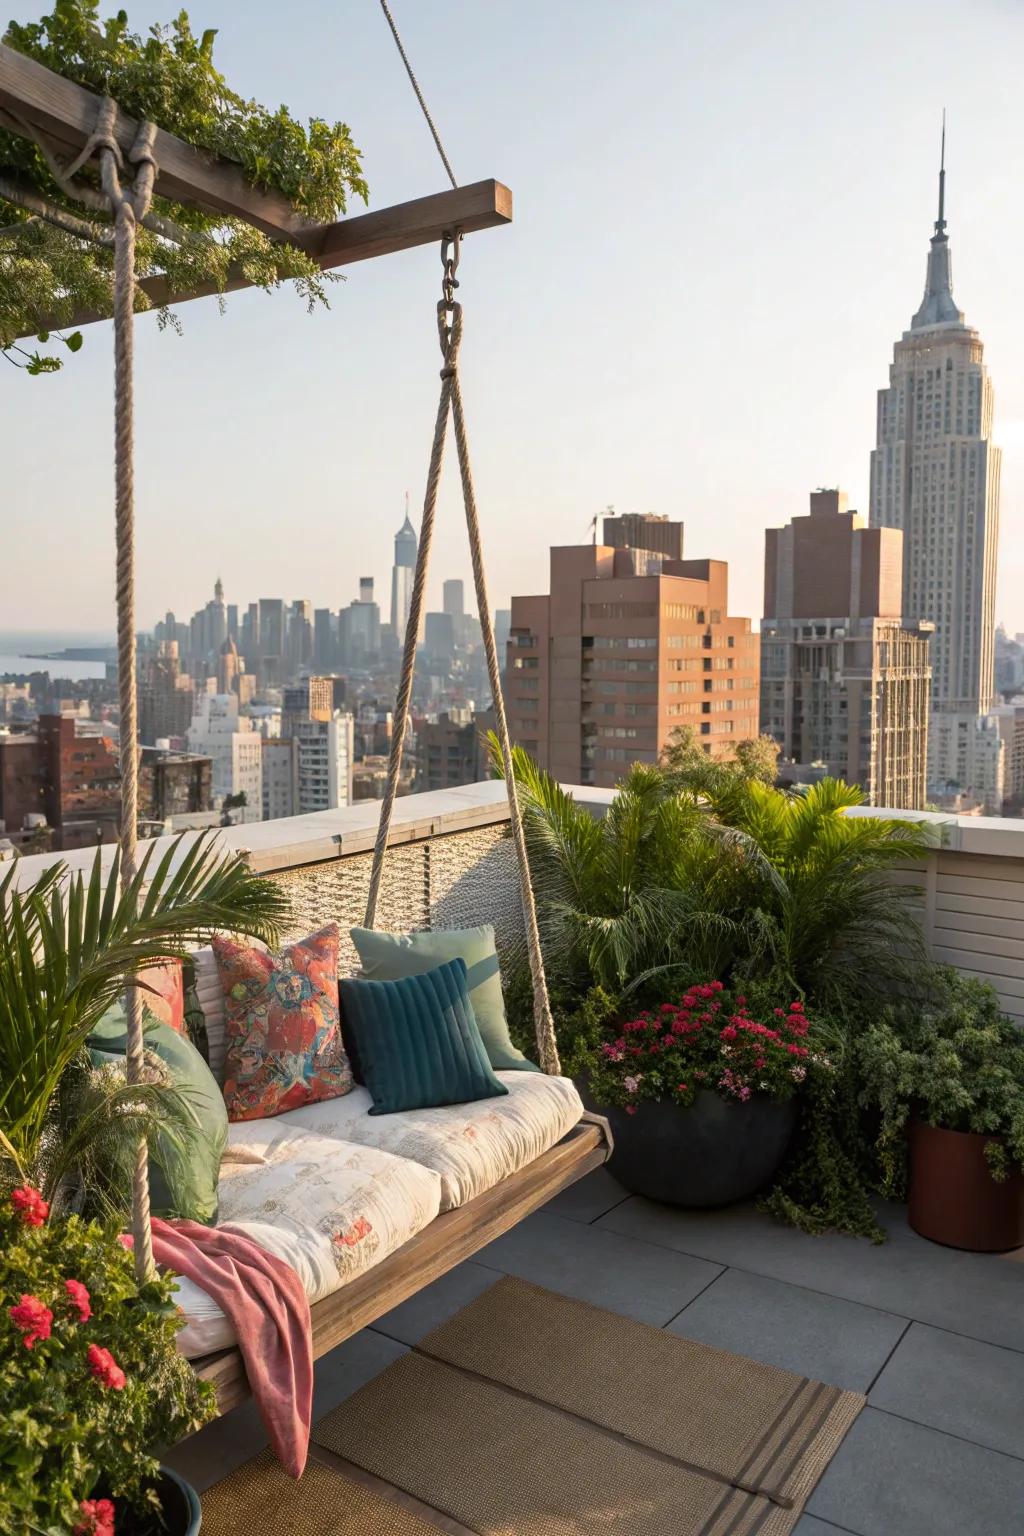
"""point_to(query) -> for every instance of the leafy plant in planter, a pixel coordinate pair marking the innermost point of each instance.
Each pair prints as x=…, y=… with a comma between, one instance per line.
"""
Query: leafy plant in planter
x=55, y=255
x=69, y=945
x=710, y=1087
x=947, y=1077
x=90, y=1379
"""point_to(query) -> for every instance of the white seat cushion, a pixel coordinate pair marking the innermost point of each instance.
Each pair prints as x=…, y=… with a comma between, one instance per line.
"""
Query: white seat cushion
x=331, y=1209
x=471, y=1146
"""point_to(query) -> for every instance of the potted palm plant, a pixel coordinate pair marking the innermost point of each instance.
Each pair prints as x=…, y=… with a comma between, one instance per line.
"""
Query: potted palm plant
x=946, y=1080
x=69, y=945
x=89, y=1376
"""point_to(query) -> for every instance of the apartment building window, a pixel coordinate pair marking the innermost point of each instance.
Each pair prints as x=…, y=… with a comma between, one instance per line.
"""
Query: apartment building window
x=626, y=642
x=683, y=642
x=622, y=610
x=688, y=685
x=526, y=663
x=683, y=611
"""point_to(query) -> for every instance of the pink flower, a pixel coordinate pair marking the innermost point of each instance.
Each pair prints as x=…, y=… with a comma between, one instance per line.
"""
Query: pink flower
x=105, y=1368
x=99, y=1518
x=34, y=1320
x=630, y=1109
x=681, y=1087
x=741, y=1002
x=126, y=1240
x=729, y=1033
x=631, y=1084
x=79, y=1299
x=30, y=1205
x=796, y=1007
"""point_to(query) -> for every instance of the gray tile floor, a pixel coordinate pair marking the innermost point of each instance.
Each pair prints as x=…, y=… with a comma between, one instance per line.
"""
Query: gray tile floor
x=934, y=1337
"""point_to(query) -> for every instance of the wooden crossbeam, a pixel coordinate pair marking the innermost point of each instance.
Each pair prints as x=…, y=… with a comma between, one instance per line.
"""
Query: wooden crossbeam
x=482, y=205
x=36, y=96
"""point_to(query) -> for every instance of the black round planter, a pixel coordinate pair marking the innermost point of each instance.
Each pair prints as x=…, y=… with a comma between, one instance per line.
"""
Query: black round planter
x=710, y=1154
x=179, y=1511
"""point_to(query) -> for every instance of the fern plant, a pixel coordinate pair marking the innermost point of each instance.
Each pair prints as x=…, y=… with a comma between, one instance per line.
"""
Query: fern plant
x=69, y=944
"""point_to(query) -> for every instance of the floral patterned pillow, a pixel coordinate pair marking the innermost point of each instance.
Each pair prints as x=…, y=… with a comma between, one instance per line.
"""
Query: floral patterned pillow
x=284, y=1045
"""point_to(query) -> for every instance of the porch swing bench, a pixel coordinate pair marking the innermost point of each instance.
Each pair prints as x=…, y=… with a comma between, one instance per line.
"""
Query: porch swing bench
x=76, y=123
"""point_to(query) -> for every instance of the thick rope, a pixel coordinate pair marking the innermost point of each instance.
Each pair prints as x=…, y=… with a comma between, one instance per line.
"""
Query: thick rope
x=543, y=1023
x=127, y=207
x=450, y=350
x=451, y=397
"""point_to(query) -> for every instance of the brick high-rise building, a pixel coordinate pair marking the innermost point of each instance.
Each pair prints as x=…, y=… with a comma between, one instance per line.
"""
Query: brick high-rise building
x=601, y=670
x=72, y=779
x=844, y=682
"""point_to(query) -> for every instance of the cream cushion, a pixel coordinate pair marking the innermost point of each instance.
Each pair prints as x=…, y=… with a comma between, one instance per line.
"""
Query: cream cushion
x=331, y=1209
x=470, y=1146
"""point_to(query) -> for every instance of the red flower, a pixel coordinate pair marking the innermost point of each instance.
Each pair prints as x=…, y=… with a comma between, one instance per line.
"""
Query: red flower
x=728, y=1033
x=34, y=1320
x=30, y=1205
x=630, y=1109
x=796, y=1007
x=99, y=1518
x=681, y=1088
x=741, y=1002
x=79, y=1299
x=105, y=1368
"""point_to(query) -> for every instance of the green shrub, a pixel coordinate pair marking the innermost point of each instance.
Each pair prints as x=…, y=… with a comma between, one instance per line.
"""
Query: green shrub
x=90, y=1380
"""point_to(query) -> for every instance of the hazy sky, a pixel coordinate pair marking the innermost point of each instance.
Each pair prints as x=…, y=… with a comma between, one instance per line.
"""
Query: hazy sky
x=721, y=222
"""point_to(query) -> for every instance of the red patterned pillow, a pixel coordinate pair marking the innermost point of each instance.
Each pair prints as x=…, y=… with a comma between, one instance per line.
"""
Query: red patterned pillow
x=284, y=1045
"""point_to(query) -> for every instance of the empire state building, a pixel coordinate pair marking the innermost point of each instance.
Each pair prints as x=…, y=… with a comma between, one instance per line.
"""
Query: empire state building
x=935, y=475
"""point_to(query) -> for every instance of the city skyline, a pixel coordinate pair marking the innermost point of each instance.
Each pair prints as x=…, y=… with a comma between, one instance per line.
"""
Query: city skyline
x=800, y=271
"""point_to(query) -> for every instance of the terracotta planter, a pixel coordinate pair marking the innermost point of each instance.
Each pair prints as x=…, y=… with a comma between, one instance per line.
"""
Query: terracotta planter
x=955, y=1200
x=710, y=1154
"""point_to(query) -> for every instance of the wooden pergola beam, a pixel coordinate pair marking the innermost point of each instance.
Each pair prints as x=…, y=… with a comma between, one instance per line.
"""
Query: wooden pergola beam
x=37, y=100
x=37, y=97
x=424, y=221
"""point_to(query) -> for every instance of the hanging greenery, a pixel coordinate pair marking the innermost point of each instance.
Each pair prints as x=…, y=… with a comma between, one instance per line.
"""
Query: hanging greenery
x=55, y=252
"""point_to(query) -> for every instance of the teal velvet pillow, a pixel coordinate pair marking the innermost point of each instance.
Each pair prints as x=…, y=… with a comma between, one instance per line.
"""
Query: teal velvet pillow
x=388, y=956
x=183, y=1169
x=417, y=1040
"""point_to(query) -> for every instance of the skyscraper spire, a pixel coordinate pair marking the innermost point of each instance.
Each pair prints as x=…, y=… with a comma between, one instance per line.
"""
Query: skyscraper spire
x=938, y=306
x=940, y=222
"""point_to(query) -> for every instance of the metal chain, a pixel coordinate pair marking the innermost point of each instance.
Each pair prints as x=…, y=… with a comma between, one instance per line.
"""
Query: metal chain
x=419, y=94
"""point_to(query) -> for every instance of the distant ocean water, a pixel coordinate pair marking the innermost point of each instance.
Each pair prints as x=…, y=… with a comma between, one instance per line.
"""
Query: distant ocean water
x=20, y=653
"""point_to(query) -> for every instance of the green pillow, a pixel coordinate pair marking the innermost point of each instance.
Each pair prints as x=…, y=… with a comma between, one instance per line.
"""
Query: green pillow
x=417, y=1040
x=389, y=956
x=183, y=1171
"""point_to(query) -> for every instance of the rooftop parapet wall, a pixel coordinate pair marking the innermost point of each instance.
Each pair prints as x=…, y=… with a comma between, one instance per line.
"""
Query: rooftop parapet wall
x=452, y=865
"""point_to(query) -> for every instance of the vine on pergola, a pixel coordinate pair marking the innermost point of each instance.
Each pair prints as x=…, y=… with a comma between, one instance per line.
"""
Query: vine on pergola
x=56, y=255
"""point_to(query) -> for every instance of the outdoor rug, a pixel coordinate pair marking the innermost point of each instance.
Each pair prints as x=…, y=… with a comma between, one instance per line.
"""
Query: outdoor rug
x=260, y=1499
x=530, y=1414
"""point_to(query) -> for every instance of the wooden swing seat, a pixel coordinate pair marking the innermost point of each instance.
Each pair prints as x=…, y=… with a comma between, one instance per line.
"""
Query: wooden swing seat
x=451, y=1237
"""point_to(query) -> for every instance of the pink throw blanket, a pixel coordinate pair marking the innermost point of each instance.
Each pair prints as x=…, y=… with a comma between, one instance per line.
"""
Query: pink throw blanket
x=263, y=1299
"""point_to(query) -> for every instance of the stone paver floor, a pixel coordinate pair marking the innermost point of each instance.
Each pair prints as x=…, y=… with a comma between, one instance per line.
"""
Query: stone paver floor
x=935, y=1338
